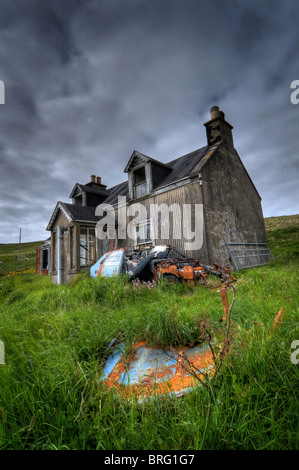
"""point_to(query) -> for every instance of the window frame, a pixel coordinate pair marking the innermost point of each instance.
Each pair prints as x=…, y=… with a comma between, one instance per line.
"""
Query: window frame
x=148, y=241
x=89, y=246
x=144, y=186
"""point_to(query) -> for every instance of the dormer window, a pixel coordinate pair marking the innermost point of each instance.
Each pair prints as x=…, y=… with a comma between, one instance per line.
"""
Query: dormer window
x=139, y=183
x=78, y=196
x=144, y=174
x=78, y=200
x=90, y=194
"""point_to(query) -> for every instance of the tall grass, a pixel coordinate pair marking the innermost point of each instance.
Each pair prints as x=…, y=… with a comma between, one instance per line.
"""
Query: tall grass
x=56, y=340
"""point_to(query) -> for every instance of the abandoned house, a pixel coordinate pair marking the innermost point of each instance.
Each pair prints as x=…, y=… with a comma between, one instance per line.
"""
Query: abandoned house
x=212, y=176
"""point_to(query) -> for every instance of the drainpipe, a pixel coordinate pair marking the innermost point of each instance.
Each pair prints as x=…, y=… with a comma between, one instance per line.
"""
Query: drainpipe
x=59, y=254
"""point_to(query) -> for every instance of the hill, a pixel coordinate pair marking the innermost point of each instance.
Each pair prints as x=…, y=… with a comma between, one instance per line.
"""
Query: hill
x=284, y=221
x=18, y=258
x=283, y=237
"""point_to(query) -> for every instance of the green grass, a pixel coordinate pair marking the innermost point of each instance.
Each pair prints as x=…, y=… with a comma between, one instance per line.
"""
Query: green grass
x=15, y=260
x=56, y=340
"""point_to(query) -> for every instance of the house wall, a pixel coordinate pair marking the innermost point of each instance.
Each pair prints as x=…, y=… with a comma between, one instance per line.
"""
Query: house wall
x=38, y=260
x=182, y=195
x=69, y=270
x=232, y=206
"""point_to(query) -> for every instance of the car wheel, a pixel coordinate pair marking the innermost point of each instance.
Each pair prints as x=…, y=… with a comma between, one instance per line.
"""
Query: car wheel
x=172, y=279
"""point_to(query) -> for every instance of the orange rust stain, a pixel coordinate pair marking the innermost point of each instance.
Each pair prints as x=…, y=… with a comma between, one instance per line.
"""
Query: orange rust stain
x=223, y=293
x=278, y=317
x=182, y=379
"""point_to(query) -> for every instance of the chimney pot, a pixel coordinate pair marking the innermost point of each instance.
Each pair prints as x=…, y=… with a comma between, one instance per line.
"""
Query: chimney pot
x=218, y=129
x=93, y=178
x=215, y=113
x=99, y=180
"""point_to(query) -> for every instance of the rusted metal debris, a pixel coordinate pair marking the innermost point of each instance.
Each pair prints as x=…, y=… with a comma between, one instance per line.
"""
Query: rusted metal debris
x=163, y=261
x=196, y=273
x=191, y=271
x=151, y=371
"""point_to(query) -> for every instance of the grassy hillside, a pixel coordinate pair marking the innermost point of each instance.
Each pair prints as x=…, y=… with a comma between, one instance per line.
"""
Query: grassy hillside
x=282, y=222
x=56, y=340
x=15, y=260
x=283, y=237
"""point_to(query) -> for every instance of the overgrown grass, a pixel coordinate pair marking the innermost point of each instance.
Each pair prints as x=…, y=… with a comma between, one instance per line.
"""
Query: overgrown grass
x=56, y=340
x=18, y=258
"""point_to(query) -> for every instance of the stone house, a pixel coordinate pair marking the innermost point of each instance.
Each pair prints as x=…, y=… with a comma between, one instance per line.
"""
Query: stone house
x=212, y=178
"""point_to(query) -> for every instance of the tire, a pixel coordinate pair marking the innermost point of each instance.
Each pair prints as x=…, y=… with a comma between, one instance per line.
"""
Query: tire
x=172, y=279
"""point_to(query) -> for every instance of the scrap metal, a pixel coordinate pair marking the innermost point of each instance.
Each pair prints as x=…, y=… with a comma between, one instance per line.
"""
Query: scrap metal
x=151, y=371
x=148, y=371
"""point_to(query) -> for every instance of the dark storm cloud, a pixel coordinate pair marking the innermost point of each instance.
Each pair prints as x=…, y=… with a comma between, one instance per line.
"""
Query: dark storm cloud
x=87, y=82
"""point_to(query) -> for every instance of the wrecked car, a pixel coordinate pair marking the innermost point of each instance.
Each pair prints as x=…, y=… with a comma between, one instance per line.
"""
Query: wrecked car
x=131, y=262
x=161, y=260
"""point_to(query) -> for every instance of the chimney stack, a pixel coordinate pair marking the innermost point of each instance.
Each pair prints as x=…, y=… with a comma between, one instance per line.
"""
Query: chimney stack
x=218, y=129
x=96, y=183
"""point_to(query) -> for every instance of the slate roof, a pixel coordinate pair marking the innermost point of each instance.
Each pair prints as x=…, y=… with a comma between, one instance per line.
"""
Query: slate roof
x=88, y=189
x=83, y=213
x=73, y=212
x=180, y=168
x=183, y=166
x=121, y=189
x=46, y=243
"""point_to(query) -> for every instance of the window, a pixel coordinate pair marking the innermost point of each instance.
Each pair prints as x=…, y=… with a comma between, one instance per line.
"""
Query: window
x=87, y=246
x=139, y=183
x=143, y=233
x=45, y=259
x=78, y=200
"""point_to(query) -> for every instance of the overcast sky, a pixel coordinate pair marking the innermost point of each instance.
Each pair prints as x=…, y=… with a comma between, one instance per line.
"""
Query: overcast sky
x=87, y=82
